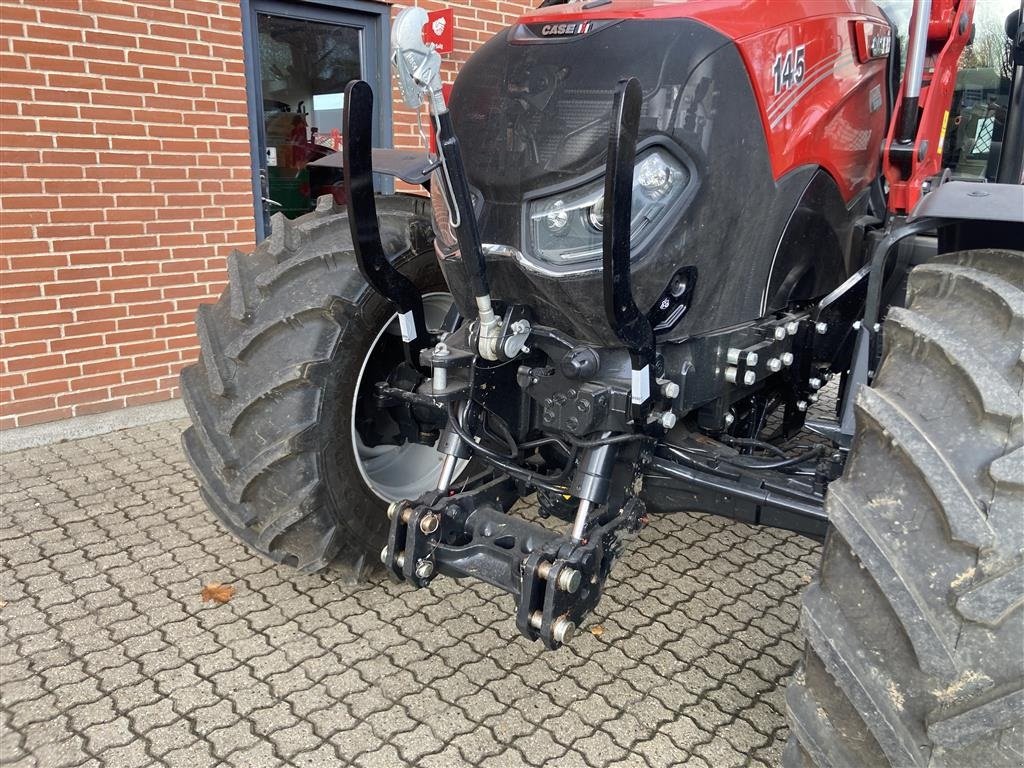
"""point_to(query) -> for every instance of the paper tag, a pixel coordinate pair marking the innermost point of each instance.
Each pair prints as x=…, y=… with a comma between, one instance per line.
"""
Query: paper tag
x=408, y=325
x=641, y=385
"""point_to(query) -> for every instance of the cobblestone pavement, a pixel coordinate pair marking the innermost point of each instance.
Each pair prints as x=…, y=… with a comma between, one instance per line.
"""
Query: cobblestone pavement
x=109, y=657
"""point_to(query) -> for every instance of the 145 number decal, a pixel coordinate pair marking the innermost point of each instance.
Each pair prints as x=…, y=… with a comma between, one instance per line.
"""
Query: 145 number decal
x=789, y=69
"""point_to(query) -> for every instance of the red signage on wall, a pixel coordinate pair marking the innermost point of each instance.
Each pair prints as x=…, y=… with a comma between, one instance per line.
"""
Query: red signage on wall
x=440, y=30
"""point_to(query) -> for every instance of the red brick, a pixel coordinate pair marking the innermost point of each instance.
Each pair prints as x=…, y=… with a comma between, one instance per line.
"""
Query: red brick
x=100, y=407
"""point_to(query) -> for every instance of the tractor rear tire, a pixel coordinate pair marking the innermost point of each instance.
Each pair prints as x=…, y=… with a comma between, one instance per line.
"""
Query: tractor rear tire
x=271, y=398
x=914, y=623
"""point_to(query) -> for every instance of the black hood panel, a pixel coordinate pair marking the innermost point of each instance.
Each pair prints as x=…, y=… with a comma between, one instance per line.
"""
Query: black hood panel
x=534, y=115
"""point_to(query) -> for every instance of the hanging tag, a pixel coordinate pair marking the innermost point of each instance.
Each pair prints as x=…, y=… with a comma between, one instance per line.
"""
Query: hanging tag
x=408, y=325
x=641, y=385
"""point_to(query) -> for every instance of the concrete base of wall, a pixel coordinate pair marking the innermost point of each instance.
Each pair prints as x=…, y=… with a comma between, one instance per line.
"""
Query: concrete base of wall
x=87, y=426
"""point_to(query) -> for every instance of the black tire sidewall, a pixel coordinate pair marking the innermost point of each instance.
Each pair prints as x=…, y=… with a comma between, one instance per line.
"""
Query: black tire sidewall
x=358, y=510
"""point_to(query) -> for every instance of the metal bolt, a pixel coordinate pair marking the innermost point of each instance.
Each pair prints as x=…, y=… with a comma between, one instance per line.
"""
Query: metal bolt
x=667, y=419
x=569, y=580
x=732, y=356
x=749, y=378
x=429, y=523
x=536, y=619
x=751, y=359
x=563, y=630
x=670, y=390
x=815, y=383
x=729, y=419
x=520, y=326
x=774, y=365
x=730, y=374
x=780, y=333
x=821, y=328
x=786, y=358
x=814, y=397
x=424, y=568
x=400, y=561
x=384, y=555
x=792, y=327
x=856, y=325
x=441, y=350
x=801, y=405
x=393, y=508
x=876, y=327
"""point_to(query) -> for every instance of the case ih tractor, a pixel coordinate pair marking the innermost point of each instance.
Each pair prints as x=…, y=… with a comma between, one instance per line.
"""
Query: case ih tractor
x=655, y=231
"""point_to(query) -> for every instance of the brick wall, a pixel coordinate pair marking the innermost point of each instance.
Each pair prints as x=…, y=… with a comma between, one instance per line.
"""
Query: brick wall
x=125, y=167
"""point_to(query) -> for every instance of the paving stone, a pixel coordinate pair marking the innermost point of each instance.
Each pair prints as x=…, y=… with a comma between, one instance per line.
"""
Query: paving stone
x=110, y=659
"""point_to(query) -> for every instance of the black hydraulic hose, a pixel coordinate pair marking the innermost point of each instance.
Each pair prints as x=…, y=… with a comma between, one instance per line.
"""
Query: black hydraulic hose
x=602, y=441
x=813, y=453
x=747, y=442
x=467, y=233
x=499, y=461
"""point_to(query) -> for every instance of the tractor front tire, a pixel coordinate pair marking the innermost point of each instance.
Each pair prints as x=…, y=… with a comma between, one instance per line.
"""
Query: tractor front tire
x=271, y=398
x=914, y=623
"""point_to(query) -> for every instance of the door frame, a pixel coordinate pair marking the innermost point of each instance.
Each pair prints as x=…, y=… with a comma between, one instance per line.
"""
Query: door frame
x=375, y=18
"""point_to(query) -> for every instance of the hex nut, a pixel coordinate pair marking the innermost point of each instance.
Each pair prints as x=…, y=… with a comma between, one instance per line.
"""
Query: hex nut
x=821, y=327
x=774, y=365
x=670, y=390
x=786, y=358
x=749, y=378
x=668, y=419
x=384, y=555
x=801, y=405
x=780, y=333
x=424, y=568
x=815, y=383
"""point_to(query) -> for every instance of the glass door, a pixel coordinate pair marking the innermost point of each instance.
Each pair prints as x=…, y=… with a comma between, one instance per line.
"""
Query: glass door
x=301, y=56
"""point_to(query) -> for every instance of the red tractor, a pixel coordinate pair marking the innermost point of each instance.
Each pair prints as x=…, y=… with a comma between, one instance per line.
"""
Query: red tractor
x=655, y=232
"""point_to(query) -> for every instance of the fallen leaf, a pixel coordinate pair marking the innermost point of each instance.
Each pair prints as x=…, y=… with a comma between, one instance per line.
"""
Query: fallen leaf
x=597, y=630
x=218, y=593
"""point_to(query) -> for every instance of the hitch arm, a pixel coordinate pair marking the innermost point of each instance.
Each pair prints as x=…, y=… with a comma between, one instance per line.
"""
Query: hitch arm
x=630, y=324
x=357, y=172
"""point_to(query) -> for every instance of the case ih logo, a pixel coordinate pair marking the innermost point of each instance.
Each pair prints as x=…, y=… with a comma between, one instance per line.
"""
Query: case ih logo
x=560, y=30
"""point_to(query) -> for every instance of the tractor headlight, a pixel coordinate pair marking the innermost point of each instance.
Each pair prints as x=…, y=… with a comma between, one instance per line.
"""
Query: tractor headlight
x=565, y=230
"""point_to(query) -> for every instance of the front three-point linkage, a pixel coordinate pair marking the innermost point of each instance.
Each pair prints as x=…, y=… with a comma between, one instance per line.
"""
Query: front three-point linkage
x=555, y=582
x=556, y=579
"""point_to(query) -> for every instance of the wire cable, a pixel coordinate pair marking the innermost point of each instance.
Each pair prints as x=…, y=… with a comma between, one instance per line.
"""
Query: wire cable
x=502, y=462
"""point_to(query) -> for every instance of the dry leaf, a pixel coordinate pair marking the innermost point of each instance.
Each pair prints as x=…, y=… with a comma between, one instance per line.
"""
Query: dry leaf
x=597, y=630
x=218, y=593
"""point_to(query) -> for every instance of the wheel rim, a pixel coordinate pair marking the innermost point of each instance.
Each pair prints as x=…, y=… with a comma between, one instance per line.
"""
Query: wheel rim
x=399, y=471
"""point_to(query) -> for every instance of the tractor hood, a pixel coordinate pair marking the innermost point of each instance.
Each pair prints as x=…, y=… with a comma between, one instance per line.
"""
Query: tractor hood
x=532, y=109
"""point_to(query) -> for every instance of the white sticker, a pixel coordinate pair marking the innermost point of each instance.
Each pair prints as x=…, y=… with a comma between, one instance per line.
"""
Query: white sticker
x=641, y=385
x=408, y=325
x=271, y=157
